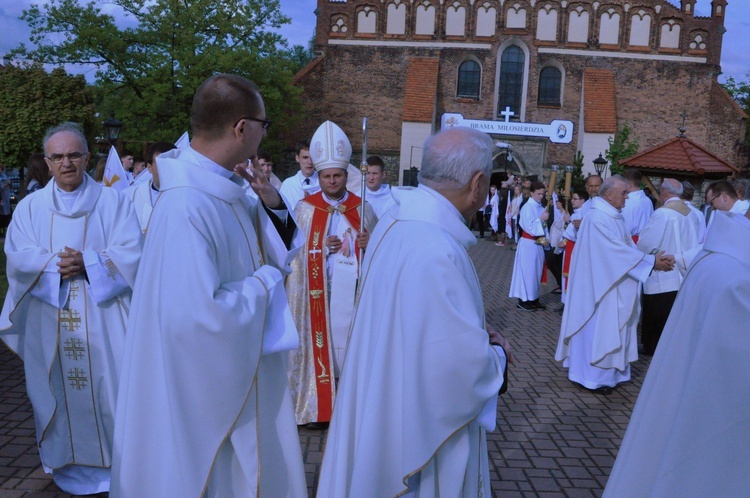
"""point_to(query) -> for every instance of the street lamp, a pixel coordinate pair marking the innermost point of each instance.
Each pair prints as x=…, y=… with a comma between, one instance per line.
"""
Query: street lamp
x=600, y=164
x=112, y=128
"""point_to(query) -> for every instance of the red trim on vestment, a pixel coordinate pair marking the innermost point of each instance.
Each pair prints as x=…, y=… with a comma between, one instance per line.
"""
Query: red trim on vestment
x=567, y=258
x=316, y=280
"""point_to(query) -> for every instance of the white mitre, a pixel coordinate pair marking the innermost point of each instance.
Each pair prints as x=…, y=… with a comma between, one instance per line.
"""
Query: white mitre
x=330, y=147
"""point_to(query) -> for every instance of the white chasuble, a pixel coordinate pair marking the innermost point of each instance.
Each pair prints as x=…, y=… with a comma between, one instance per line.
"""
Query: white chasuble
x=204, y=406
x=603, y=300
x=690, y=430
x=70, y=333
x=419, y=372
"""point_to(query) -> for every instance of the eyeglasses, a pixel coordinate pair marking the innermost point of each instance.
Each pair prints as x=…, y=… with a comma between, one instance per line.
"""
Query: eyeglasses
x=711, y=202
x=73, y=157
x=266, y=122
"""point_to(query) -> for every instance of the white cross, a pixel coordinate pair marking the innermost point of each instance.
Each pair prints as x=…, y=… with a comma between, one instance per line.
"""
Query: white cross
x=507, y=113
x=314, y=252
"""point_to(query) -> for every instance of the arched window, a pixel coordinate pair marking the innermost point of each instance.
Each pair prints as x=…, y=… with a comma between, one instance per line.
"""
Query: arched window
x=469, y=78
x=550, y=80
x=510, y=90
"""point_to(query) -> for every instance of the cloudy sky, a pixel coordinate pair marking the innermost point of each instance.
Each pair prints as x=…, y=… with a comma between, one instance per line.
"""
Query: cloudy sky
x=735, y=60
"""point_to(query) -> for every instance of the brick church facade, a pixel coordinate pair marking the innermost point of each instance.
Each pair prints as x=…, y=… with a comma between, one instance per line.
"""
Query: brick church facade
x=597, y=64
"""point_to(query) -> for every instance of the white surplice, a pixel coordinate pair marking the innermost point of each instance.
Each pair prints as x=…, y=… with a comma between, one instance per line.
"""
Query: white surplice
x=671, y=229
x=690, y=430
x=495, y=212
x=637, y=211
x=598, y=335
x=297, y=187
x=70, y=333
x=380, y=200
x=529, y=261
x=143, y=196
x=420, y=381
x=204, y=406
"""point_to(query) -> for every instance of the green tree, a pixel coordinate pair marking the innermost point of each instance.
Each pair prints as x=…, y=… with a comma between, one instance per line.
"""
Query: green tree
x=740, y=92
x=577, y=181
x=32, y=100
x=622, y=146
x=149, y=70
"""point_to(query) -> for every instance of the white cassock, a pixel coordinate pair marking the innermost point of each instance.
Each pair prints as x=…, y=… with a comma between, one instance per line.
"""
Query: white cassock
x=528, y=264
x=495, y=212
x=70, y=333
x=637, y=211
x=204, y=406
x=297, y=187
x=143, y=196
x=420, y=381
x=598, y=335
x=690, y=430
x=381, y=200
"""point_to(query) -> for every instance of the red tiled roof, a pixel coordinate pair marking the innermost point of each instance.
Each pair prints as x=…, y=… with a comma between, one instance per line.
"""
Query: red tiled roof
x=599, y=111
x=421, y=90
x=680, y=155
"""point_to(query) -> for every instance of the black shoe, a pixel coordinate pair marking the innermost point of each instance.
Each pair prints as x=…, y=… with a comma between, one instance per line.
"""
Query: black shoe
x=537, y=305
x=526, y=306
x=603, y=390
x=316, y=426
x=560, y=309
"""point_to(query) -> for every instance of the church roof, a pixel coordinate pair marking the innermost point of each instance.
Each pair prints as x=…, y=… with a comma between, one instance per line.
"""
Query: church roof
x=421, y=89
x=599, y=111
x=680, y=156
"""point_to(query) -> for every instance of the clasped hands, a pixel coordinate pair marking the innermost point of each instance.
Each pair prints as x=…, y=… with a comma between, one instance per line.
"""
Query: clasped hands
x=663, y=262
x=334, y=243
x=71, y=263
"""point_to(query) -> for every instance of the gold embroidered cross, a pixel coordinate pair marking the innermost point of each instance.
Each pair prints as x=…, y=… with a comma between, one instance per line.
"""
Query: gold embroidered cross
x=74, y=290
x=74, y=349
x=77, y=378
x=112, y=270
x=70, y=319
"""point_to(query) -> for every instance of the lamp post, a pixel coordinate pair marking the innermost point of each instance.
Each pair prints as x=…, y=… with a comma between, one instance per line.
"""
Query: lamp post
x=600, y=164
x=507, y=149
x=112, y=127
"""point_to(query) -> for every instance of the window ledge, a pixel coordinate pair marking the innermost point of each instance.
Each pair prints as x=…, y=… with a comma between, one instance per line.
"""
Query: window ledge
x=467, y=100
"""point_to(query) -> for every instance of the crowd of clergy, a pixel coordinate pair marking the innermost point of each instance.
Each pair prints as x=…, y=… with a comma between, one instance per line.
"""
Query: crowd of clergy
x=176, y=333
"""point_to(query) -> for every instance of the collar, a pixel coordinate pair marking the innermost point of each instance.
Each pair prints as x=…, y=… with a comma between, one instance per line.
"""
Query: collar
x=606, y=207
x=337, y=202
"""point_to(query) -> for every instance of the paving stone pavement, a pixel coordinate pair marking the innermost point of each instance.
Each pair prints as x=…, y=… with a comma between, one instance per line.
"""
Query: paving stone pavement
x=552, y=439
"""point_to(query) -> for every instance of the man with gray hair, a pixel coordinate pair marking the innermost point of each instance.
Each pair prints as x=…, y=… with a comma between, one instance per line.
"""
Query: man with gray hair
x=670, y=229
x=421, y=361
x=73, y=251
x=598, y=336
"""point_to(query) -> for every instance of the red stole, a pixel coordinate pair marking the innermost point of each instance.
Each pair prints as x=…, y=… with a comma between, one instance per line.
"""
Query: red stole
x=567, y=258
x=317, y=285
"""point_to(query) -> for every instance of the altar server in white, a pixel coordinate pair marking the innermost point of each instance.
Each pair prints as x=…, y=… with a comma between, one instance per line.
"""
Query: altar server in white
x=204, y=407
x=143, y=195
x=73, y=250
x=638, y=207
x=690, y=430
x=305, y=182
x=598, y=337
x=528, y=267
x=421, y=379
x=670, y=229
x=378, y=194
